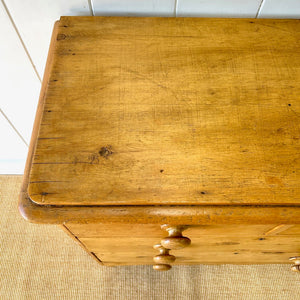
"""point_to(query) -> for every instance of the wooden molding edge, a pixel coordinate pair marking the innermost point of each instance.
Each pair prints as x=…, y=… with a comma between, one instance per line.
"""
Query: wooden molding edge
x=177, y=215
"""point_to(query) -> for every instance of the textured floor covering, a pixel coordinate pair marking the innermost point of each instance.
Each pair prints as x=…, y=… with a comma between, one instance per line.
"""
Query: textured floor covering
x=42, y=262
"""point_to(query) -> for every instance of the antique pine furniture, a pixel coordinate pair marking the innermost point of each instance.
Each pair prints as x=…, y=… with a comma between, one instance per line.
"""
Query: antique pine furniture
x=148, y=127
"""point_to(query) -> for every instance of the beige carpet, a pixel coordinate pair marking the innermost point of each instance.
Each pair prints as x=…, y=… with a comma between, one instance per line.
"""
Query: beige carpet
x=42, y=262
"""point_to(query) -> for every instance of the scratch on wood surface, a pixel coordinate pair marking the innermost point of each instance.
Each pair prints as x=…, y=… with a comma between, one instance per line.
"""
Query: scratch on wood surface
x=152, y=81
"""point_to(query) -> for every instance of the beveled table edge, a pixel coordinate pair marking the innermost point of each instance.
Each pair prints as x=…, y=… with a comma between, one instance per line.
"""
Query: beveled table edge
x=188, y=215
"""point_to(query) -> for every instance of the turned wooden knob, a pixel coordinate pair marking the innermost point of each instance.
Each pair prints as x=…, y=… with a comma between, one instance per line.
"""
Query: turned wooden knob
x=162, y=267
x=163, y=257
x=296, y=266
x=175, y=240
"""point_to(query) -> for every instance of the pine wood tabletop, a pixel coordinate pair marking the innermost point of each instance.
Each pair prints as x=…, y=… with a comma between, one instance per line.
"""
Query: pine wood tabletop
x=170, y=111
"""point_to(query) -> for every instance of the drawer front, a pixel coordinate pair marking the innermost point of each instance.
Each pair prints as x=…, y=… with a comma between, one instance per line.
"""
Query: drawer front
x=129, y=244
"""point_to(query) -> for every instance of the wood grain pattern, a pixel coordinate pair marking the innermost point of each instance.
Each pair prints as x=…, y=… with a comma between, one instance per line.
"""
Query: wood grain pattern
x=122, y=244
x=102, y=230
x=140, y=246
x=147, y=111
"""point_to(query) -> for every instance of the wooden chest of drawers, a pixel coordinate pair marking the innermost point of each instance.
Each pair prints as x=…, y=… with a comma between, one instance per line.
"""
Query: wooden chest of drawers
x=147, y=127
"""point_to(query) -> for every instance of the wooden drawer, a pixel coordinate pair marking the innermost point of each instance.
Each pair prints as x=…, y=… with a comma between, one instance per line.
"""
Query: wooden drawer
x=121, y=244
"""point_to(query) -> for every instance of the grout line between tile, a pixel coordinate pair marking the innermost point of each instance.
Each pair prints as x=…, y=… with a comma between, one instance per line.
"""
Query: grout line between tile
x=91, y=6
x=259, y=9
x=175, y=8
x=14, y=128
x=21, y=40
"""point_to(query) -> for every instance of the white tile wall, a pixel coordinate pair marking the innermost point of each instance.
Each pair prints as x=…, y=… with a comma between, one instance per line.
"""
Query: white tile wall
x=218, y=8
x=34, y=20
x=287, y=9
x=25, y=30
x=19, y=84
x=134, y=7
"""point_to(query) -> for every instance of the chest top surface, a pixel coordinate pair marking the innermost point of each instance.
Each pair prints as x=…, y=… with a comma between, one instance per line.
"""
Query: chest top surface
x=154, y=111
